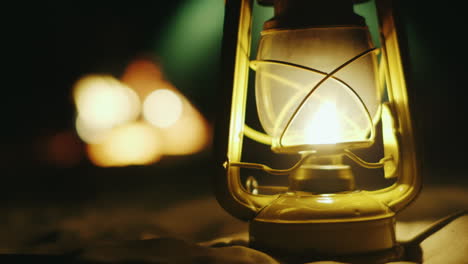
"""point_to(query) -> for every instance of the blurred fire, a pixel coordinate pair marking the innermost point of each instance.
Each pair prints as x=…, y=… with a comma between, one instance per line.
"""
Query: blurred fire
x=104, y=102
x=163, y=108
x=134, y=143
x=138, y=119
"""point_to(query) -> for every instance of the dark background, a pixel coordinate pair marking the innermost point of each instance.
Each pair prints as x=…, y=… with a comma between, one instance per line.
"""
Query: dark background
x=52, y=44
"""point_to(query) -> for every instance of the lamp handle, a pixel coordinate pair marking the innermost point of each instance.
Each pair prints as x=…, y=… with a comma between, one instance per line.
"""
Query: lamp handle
x=229, y=191
x=408, y=184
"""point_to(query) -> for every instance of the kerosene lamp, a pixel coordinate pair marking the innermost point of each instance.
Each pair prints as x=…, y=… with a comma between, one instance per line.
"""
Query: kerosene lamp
x=324, y=92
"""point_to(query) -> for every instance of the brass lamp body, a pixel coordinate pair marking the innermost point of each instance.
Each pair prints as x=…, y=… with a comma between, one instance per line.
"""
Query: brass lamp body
x=298, y=224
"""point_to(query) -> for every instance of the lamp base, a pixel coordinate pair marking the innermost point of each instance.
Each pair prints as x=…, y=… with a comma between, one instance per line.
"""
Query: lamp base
x=328, y=226
x=375, y=257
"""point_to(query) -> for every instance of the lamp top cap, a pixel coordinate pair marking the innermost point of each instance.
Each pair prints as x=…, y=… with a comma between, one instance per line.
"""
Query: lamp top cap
x=271, y=2
x=293, y=14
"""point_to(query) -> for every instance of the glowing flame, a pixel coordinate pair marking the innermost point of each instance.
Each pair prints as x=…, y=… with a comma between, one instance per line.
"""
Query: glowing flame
x=324, y=128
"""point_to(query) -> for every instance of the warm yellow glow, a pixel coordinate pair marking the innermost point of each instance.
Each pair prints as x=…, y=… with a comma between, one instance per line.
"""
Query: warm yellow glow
x=190, y=134
x=107, y=109
x=90, y=133
x=132, y=144
x=162, y=108
x=324, y=128
x=103, y=102
x=144, y=76
x=325, y=199
x=291, y=97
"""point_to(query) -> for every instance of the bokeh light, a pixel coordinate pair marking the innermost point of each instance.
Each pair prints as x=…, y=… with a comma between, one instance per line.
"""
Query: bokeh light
x=162, y=108
x=120, y=131
x=136, y=143
x=90, y=133
x=190, y=134
x=183, y=134
x=103, y=101
x=144, y=76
